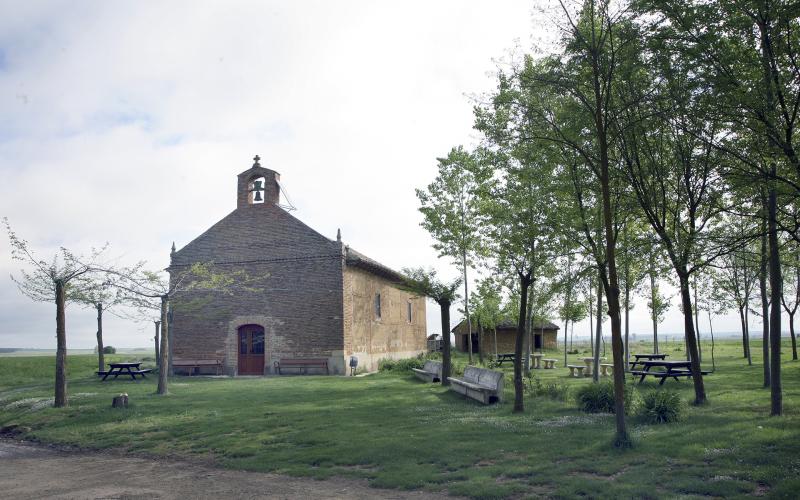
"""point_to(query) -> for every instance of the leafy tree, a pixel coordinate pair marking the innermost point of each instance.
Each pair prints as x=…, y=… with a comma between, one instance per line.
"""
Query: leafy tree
x=425, y=283
x=450, y=209
x=101, y=297
x=63, y=279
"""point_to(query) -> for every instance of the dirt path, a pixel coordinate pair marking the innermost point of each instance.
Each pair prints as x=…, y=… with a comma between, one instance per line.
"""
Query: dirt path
x=36, y=472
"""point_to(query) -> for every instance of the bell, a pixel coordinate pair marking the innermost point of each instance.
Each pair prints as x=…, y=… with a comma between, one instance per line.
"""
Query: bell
x=258, y=196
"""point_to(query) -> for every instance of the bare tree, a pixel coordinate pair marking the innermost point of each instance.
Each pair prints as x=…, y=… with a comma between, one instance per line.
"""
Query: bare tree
x=62, y=279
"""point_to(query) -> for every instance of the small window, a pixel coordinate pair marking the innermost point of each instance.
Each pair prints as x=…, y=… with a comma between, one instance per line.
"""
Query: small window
x=377, y=306
x=408, y=311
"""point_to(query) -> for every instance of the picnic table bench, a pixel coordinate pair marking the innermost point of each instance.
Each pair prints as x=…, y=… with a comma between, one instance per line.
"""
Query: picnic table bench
x=430, y=372
x=576, y=370
x=301, y=365
x=672, y=369
x=117, y=369
x=194, y=365
x=549, y=363
x=645, y=357
x=479, y=384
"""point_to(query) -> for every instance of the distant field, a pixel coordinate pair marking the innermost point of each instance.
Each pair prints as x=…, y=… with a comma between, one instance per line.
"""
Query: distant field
x=4, y=352
x=398, y=432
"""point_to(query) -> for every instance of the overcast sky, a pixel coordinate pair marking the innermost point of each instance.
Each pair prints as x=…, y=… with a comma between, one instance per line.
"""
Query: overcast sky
x=127, y=122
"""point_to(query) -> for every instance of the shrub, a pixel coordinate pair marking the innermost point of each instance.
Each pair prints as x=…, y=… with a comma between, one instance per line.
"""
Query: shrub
x=552, y=390
x=109, y=349
x=661, y=407
x=400, y=365
x=599, y=398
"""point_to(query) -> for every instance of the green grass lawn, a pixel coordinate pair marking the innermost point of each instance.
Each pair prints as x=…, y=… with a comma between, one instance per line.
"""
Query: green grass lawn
x=398, y=432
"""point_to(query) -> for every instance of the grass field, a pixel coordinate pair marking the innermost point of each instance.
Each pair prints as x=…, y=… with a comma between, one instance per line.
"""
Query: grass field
x=401, y=433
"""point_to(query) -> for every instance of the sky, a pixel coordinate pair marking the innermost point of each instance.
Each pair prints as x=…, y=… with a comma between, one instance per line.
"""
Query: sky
x=127, y=123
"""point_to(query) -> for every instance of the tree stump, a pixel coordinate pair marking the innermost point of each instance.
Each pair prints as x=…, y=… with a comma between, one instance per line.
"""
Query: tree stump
x=120, y=401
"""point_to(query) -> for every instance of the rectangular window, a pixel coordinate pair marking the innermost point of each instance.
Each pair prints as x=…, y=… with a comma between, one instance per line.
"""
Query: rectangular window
x=377, y=306
x=408, y=311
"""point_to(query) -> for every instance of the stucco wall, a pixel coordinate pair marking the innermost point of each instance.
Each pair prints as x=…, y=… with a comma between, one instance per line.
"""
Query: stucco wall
x=391, y=336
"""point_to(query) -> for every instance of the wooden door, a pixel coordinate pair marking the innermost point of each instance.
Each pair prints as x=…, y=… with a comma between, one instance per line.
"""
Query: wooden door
x=251, y=350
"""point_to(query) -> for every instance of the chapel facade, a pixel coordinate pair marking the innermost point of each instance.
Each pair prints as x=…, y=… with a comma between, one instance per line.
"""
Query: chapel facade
x=307, y=296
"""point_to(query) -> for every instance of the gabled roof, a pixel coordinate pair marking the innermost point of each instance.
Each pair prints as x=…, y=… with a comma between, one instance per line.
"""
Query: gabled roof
x=357, y=259
x=509, y=324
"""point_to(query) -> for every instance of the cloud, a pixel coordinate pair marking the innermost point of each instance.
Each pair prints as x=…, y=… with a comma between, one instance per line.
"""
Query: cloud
x=128, y=122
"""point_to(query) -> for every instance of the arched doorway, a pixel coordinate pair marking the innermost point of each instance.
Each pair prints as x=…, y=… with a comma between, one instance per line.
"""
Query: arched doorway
x=251, y=350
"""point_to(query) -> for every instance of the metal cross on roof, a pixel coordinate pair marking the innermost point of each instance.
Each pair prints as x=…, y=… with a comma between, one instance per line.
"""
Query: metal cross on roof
x=255, y=161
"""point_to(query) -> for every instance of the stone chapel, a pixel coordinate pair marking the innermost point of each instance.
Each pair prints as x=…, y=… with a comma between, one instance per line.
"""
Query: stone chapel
x=318, y=298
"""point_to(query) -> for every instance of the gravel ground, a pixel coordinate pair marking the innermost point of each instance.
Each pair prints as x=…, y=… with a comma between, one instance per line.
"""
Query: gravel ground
x=30, y=471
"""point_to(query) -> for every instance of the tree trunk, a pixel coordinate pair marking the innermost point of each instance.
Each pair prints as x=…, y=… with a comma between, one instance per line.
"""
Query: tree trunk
x=163, y=369
x=591, y=317
x=524, y=283
x=627, y=323
x=776, y=285
x=526, y=359
x=101, y=360
x=794, y=339
x=747, y=331
x=598, y=332
x=61, y=348
x=466, y=306
x=691, y=339
x=480, y=342
x=697, y=322
x=156, y=340
x=743, y=321
x=653, y=296
x=762, y=284
x=444, y=308
x=495, y=342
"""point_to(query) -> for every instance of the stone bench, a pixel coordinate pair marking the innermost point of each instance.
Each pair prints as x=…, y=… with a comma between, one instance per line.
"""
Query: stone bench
x=576, y=368
x=605, y=369
x=301, y=365
x=430, y=372
x=549, y=363
x=479, y=384
x=194, y=365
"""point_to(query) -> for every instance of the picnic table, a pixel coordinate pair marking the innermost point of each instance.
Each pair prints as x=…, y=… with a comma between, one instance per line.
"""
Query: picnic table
x=670, y=369
x=537, y=359
x=589, y=361
x=646, y=357
x=117, y=369
x=505, y=356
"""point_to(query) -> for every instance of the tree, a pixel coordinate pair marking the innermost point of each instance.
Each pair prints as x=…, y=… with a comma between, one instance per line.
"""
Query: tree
x=425, y=283
x=575, y=94
x=450, y=209
x=790, y=294
x=101, y=297
x=60, y=280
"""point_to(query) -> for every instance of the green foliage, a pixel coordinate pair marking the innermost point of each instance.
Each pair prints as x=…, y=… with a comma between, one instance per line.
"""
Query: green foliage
x=109, y=349
x=599, y=398
x=548, y=389
x=662, y=406
x=400, y=365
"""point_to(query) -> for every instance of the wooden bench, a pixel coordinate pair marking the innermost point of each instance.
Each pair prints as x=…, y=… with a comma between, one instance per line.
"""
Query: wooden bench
x=479, y=384
x=194, y=365
x=576, y=368
x=142, y=372
x=301, y=365
x=431, y=372
x=605, y=369
x=549, y=363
